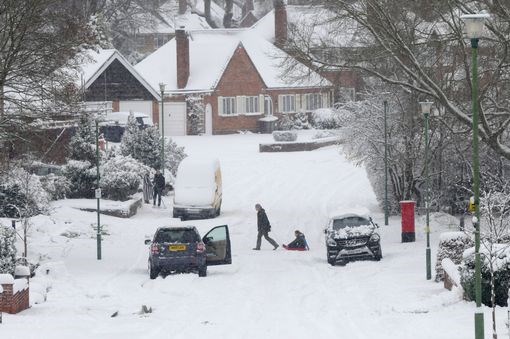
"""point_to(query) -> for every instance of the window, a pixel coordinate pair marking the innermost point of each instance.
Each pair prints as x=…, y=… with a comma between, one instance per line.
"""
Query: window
x=229, y=106
x=288, y=103
x=252, y=105
x=313, y=101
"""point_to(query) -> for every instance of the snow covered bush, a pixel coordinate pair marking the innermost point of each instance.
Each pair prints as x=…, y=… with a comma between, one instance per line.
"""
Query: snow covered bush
x=7, y=250
x=452, y=246
x=285, y=135
x=22, y=195
x=83, y=143
x=57, y=186
x=145, y=146
x=121, y=177
x=500, y=268
x=326, y=118
x=81, y=177
x=296, y=121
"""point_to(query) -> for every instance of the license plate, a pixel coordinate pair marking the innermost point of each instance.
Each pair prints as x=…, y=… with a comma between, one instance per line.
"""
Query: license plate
x=177, y=248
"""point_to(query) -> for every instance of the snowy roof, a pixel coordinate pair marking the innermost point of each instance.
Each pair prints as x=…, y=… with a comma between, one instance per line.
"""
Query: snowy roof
x=350, y=212
x=93, y=64
x=318, y=24
x=211, y=50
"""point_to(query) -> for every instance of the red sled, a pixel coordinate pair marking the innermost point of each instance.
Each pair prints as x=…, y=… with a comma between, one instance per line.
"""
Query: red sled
x=295, y=248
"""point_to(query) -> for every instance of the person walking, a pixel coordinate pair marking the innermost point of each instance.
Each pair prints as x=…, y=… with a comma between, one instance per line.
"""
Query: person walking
x=159, y=186
x=264, y=227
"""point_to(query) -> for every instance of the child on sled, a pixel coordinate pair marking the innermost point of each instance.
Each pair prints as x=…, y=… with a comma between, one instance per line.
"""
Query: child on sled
x=298, y=244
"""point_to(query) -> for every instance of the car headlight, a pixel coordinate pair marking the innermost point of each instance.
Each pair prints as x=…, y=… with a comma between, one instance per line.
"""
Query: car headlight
x=375, y=237
x=331, y=242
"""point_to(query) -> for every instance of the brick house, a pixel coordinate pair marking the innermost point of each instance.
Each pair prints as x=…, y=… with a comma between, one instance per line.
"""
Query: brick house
x=106, y=76
x=280, y=24
x=225, y=80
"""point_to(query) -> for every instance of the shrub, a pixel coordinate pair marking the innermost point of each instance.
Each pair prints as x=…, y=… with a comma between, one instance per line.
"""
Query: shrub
x=81, y=177
x=121, y=177
x=285, y=135
x=451, y=245
x=326, y=119
x=7, y=250
x=501, y=266
x=22, y=195
x=297, y=121
x=57, y=186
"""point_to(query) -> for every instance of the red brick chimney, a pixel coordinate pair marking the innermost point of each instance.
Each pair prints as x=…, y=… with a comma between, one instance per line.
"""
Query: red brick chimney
x=182, y=44
x=182, y=6
x=280, y=22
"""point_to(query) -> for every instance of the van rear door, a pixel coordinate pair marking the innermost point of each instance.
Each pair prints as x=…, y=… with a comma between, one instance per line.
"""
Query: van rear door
x=217, y=243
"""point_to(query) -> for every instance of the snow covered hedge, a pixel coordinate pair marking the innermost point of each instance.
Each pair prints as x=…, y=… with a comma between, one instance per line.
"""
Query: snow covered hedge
x=7, y=250
x=451, y=245
x=82, y=178
x=121, y=177
x=326, y=118
x=57, y=186
x=296, y=121
x=22, y=195
x=285, y=135
x=501, y=268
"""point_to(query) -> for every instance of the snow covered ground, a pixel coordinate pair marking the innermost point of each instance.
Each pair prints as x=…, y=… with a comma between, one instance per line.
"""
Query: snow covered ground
x=264, y=294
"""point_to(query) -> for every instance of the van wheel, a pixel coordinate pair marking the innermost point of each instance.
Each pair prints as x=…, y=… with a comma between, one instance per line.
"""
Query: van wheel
x=202, y=271
x=218, y=211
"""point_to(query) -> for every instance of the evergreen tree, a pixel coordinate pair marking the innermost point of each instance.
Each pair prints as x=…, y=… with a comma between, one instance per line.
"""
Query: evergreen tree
x=130, y=142
x=7, y=250
x=150, y=147
x=82, y=144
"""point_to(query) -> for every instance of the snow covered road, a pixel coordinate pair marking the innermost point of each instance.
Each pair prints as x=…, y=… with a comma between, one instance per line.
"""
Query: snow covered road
x=263, y=294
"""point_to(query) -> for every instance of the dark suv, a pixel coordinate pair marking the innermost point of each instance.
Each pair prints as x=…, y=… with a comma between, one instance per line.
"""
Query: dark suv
x=351, y=237
x=180, y=249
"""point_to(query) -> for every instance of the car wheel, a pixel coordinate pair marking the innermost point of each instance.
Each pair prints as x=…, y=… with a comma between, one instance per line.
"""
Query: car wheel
x=202, y=271
x=378, y=256
x=153, y=271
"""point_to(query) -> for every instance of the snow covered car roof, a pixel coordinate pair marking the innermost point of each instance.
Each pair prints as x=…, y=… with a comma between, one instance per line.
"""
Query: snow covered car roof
x=347, y=213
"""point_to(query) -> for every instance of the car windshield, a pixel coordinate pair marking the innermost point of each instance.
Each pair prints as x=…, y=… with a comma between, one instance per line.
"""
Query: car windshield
x=354, y=221
x=177, y=236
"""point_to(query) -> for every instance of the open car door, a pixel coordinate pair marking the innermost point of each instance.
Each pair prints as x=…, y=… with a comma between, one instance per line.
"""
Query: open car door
x=217, y=244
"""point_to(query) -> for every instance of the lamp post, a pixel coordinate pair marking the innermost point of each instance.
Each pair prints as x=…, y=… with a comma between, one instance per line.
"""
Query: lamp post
x=385, y=163
x=474, y=24
x=98, y=195
x=162, y=90
x=425, y=109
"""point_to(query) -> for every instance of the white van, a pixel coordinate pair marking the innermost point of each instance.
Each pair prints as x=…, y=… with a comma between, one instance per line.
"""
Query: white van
x=197, y=189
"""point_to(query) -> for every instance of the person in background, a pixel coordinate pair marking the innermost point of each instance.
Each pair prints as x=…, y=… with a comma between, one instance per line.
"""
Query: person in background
x=159, y=186
x=299, y=243
x=263, y=227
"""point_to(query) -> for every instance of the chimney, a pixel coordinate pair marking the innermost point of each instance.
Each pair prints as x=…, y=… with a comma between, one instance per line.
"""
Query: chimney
x=182, y=6
x=280, y=22
x=182, y=46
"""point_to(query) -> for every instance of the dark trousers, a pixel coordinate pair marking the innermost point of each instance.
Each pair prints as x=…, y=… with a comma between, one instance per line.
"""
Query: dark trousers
x=157, y=193
x=265, y=234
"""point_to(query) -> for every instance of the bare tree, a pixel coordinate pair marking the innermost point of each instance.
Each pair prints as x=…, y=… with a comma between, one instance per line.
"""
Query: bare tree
x=424, y=45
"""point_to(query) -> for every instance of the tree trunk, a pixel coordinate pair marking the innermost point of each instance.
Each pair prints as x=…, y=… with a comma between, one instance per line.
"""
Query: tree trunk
x=227, y=18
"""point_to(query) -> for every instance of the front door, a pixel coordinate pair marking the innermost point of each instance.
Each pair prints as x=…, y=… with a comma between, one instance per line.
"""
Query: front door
x=217, y=244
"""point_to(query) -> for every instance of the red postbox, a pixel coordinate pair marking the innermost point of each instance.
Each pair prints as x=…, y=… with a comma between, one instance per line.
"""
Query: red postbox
x=407, y=209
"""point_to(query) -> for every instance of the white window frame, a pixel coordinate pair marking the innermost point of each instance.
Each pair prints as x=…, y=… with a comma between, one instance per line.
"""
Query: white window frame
x=314, y=101
x=228, y=107
x=252, y=105
x=288, y=103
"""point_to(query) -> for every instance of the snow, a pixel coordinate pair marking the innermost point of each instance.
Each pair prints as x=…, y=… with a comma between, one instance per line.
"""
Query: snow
x=263, y=294
x=195, y=184
x=452, y=270
x=6, y=279
x=19, y=285
x=208, y=61
x=22, y=271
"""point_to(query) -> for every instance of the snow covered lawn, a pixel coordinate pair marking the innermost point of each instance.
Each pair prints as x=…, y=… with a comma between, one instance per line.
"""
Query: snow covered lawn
x=263, y=294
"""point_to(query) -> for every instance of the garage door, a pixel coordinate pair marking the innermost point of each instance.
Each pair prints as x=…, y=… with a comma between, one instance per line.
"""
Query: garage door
x=136, y=106
x=175, y=118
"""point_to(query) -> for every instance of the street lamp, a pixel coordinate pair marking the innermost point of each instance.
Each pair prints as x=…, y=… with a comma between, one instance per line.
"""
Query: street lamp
x=425, y=109
x=386, y=213
x=162, y=90
x=474, y=24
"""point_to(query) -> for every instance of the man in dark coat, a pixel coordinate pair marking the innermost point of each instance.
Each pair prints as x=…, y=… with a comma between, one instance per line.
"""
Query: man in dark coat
x=159, y=186
x=264, y=227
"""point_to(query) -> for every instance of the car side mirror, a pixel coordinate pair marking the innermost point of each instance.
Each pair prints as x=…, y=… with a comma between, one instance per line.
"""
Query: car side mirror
x=147, y=241
x=207, y=240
